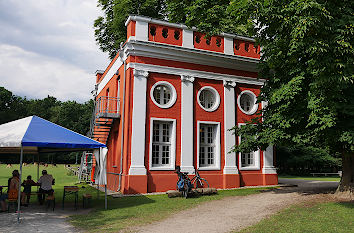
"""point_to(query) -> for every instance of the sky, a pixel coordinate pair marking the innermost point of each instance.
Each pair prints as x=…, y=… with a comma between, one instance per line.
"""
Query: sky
x=47, y=47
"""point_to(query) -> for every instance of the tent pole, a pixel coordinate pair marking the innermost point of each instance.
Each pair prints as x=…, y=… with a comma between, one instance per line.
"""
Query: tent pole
x=38, y=171
x=105, y=196
x=19, y=188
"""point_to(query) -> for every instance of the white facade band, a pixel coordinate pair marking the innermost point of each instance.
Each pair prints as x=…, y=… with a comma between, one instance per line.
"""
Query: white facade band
x=137, y=166
x=187, y=133
x=229, y=122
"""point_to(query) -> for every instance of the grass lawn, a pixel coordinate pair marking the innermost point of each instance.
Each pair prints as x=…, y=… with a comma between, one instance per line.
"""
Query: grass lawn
x=320, y=178
x=324, y=217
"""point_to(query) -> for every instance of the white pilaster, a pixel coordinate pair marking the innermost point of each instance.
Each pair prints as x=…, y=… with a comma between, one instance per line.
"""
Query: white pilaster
x=187, y=38
x=268, y=155
x=230, y=122
x=228, y=45
x=187, y=133
x=142, y=31
x=137, y=166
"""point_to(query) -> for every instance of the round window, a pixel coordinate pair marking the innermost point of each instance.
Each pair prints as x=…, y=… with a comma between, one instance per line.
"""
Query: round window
x=208, y=99
x=163, y=94
x=247, y=102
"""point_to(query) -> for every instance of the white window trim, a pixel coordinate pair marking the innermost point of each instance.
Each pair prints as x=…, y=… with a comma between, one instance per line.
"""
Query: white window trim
x=173, y=94
x=257, y=157
x=217, y=145
x=255, y=106
x=217, y=98
x=173, y=144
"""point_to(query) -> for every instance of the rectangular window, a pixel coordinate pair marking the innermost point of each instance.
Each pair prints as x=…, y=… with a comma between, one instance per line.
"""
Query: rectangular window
x=207, y=144
x=161, y=143
x=247, y=159
x=250, y=160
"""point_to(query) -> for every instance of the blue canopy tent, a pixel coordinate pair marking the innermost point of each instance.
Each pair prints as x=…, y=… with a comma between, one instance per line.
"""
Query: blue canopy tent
x=34, y=135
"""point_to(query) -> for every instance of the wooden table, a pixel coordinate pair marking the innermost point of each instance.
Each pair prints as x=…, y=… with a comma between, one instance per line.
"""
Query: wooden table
x=71, y=190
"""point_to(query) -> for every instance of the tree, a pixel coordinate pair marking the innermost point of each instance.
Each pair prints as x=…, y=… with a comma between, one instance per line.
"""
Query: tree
x=12, y=107
x=110, y=30
x=307, y=58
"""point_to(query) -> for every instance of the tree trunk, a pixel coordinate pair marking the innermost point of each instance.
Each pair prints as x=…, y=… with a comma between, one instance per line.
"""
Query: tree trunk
x=346, y=186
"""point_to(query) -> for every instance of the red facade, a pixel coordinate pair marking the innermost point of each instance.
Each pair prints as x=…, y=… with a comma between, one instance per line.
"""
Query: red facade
x=167, y=100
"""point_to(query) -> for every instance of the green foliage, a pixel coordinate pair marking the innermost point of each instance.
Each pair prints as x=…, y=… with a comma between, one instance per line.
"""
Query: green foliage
x=303, y=160
x=110, y=30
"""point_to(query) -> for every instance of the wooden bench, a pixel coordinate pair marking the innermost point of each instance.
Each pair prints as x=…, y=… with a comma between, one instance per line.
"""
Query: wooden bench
x=86, y=200
x=327, y=173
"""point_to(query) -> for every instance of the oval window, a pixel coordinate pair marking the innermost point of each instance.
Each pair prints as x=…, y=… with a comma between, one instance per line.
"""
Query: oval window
x=163, y=94
x=247, y=102
x=208, y=99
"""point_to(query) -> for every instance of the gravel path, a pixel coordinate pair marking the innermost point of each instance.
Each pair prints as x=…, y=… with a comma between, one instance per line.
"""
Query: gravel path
x=235, y=213
x=36, y=219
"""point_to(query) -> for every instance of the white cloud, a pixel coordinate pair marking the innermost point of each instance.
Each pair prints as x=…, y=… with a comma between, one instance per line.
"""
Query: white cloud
x=51, y=42
x=35, y=76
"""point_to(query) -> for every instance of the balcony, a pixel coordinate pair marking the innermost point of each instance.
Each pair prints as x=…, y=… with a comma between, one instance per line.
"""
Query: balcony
x=107, y=107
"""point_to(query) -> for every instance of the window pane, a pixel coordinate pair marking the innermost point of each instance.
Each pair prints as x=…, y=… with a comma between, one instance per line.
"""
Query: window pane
x=155, y=154
x=247, y=159
x=246, y=102
x=162, y=94
x=201, y=156
x=207, y=145
x=161, y=143
x=165, y=154
x=207, y=98
x=156, y=132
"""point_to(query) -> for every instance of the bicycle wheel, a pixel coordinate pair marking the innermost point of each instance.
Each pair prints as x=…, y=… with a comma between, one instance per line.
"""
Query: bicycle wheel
x=201, y=183
x=186, y=190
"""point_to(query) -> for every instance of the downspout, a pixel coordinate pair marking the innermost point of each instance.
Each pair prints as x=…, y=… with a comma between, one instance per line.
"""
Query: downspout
x=122, y=114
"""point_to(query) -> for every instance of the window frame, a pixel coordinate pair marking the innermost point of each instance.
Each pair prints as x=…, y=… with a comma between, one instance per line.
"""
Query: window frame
x=173, y=144
x=255, y=105
x=217, y=157
x=256, y=157
x=173, y=94
x=217, y=98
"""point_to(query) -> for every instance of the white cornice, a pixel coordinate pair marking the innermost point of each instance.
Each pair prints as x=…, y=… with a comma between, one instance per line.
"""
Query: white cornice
x=195, y=73
x=194, y=56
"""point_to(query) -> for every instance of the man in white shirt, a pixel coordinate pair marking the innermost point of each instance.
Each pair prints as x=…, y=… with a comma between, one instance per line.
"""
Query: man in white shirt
x=45, y=182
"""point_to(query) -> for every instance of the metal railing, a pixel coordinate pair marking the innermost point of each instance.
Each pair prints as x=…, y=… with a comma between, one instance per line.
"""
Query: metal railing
x=107, y=107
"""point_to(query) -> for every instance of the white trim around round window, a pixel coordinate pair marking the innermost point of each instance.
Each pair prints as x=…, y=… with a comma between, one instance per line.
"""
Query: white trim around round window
x=253, y=97
x=173, y=96
x=216, y=97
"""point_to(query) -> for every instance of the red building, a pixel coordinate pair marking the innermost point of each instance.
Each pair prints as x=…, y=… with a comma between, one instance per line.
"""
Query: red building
x=168, y=99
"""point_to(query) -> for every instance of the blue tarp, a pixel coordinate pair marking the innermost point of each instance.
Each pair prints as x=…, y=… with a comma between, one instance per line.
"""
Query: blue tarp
x=34, y=131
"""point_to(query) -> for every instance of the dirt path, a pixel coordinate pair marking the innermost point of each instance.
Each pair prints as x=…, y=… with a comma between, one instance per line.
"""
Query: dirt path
x=36, y=219
x=235, y=213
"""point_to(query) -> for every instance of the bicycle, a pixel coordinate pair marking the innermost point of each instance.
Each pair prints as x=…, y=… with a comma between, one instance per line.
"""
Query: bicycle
x=199, y=182
x=184, y=184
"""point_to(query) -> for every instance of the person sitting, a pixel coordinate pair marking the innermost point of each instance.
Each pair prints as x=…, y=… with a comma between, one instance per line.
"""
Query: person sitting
x=45, y=181
x=27, y=186
x=12, y=191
